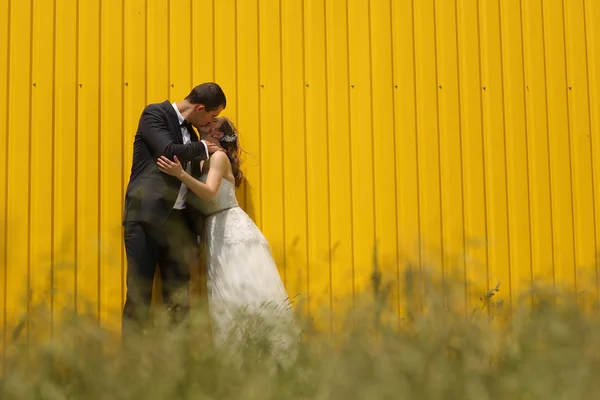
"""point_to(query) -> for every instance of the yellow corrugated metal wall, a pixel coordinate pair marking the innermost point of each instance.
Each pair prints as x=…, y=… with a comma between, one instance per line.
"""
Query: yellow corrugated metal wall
x=461, y=134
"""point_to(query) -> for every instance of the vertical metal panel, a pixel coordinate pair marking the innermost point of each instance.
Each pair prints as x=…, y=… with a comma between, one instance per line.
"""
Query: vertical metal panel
x=428, y=150
x=361, y=143
x=383, y=127
x=473, y=160
x=110, y=143
x=408, y=225
x=340, y=159
x=4, y=86
x=295, y=148
x=271, y=143
x=585, y=238
x=66, y=191
x=561, y=164
x=516, y=146
x=591, y=46
x=455, y=136
x=451, y=179
x=537, y=135
x=19, y=165
x=248, y=85
x=494, y=148
x=317, y=157
x=89, y=160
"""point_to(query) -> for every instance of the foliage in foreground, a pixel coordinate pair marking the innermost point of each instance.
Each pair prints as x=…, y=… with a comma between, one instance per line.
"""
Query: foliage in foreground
x=549, y=351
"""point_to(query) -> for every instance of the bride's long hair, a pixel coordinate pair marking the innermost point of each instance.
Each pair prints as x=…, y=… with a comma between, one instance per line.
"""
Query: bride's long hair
x=230, y=144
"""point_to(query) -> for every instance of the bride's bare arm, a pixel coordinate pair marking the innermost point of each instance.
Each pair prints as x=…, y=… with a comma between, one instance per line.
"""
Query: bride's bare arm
x=206, y=191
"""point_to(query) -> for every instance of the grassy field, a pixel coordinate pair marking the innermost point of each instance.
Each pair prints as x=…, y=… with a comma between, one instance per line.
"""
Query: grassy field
x=547, y=350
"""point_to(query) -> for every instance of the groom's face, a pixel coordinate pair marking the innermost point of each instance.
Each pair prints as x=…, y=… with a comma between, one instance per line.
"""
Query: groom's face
x=202, y=117
x=212, y=129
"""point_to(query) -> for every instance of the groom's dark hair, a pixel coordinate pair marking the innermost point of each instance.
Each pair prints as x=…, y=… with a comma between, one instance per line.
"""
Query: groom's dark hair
x=210, y=94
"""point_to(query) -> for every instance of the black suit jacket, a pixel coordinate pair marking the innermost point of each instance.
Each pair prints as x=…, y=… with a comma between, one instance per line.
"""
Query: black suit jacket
x=151, y=194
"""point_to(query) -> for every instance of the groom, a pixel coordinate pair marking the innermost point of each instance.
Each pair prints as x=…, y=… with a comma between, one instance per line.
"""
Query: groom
x=160, y=221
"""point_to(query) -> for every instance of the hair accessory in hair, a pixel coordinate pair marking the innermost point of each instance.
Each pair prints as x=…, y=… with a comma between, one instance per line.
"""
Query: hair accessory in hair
x=229, y=138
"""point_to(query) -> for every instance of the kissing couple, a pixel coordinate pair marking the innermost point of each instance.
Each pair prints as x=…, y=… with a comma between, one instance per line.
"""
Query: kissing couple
x=180, y=189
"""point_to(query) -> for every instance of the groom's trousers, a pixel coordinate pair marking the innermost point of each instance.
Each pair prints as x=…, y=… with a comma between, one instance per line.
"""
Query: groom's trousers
x=173, y=247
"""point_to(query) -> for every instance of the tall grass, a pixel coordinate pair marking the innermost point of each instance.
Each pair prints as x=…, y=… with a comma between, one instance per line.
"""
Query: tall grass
x=545, y=350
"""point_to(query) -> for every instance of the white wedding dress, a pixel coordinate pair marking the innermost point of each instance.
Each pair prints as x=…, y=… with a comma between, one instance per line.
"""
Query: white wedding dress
x=247, y=298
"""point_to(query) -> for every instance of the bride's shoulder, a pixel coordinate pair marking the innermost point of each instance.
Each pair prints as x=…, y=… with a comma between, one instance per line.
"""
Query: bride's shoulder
x=219, y=157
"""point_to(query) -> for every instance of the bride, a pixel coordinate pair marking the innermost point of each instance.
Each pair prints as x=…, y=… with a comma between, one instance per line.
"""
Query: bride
x=243, y=280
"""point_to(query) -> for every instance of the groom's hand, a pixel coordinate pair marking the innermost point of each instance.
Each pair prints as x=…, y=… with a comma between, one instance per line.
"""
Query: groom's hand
x=213, y=147
x=212, y=144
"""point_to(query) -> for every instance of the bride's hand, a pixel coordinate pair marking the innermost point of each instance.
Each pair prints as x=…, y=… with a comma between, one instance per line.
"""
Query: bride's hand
x=169, y=167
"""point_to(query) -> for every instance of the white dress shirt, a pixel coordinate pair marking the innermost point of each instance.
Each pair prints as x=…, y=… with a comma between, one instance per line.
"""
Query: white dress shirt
x=180, y=202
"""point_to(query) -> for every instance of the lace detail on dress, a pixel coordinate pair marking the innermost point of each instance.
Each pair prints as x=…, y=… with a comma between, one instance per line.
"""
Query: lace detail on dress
x=227, y=223
x=224, y=199
x=232, y=226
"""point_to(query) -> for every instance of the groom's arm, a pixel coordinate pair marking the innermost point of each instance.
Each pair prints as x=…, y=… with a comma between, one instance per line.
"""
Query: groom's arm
x=153, y=129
